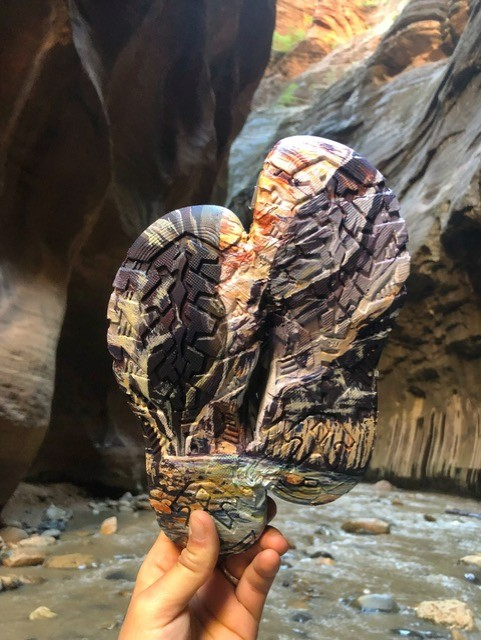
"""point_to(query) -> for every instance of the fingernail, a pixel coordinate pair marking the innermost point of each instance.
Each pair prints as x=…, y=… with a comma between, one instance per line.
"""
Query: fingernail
x=197, y=529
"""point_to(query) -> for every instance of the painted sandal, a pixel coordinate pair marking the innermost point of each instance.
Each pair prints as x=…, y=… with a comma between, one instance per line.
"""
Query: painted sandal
x=250, y=357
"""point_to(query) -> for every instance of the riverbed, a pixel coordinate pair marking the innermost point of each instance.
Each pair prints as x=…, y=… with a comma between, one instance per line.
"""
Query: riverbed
x=315, y=594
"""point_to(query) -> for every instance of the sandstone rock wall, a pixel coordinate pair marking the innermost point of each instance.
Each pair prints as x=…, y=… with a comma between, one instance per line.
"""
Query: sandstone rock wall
x=294, y=15
x=412, y=107
x=111, y=113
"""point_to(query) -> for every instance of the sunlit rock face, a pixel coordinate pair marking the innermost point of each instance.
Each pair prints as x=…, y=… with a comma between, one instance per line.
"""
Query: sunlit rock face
x=410, y=103
x=110, y=115
x=332, y=24
x=307, y=31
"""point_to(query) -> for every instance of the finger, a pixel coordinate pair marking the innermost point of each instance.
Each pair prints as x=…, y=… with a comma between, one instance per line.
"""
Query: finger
x=256, y=581
x=195, y=564
x=161, y=557
x=272, y=538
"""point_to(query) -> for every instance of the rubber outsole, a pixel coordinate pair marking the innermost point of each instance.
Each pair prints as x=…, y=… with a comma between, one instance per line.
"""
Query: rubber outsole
x=251, y=358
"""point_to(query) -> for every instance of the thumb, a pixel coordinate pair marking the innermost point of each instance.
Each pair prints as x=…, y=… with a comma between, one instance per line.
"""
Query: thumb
x=173, y=591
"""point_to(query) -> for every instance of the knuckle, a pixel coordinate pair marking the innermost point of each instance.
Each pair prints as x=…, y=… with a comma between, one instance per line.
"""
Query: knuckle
x=191, y=561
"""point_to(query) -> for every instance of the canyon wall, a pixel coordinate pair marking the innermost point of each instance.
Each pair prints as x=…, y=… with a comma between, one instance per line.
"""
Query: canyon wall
x=111, y=116
x=405, y=92
x=111, y=113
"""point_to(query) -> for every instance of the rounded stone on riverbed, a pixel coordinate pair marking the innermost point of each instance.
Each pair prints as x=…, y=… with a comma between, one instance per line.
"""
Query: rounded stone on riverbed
x=8, y=583
x=451, y=613
x=109, y=526
x=70, y=561
x=321, y=557
x=57, y=513
x=473, y=576
x=141, y=502
x=472, y=559
x=37, y=541
x=51, y=533
x=367, y=526
x=374, y=602
x=382, y=486
x=41, y=613
x=12, y=535
x=120, y=574
x=24, y=558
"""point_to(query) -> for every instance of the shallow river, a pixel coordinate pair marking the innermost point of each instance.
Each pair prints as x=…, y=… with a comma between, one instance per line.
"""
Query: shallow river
x=418, y=560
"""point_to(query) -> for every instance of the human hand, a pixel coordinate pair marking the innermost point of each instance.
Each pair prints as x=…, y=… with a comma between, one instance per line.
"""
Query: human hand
x=183, y=595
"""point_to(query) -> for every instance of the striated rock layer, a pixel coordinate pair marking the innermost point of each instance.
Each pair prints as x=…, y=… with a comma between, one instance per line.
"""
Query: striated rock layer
x=110, y=115
x=412, y=108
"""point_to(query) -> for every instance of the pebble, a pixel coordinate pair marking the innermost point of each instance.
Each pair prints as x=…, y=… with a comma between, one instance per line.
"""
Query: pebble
x=325, y=561
x=37, y=541
x=301, y=617
x=10, y=582
x=142, y=503
x=50, y=525
x=119, y=574
x=51, y=533
x=452, y=613
x=318, y=554
x=41, y=613
x=429, y=518
x=320, y=557
x=24, y=558
x=473, y=576
x=473, y=559
x=376, y=602
x=109, y=526
x=12, y=535
x=383, y=486
x=367, y=526
x=70, y=561
x=56, y=513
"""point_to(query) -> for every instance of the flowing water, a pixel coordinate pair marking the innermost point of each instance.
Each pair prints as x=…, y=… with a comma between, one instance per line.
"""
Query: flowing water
x=418, y=560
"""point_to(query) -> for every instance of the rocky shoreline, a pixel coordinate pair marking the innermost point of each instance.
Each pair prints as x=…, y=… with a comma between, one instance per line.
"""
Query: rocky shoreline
x=378, y=563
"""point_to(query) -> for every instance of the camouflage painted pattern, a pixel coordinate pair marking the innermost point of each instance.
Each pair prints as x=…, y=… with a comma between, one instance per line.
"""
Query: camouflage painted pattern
x=250, y=356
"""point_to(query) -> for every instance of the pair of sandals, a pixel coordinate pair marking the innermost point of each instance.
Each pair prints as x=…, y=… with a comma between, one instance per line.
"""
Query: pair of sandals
x=250, y=356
